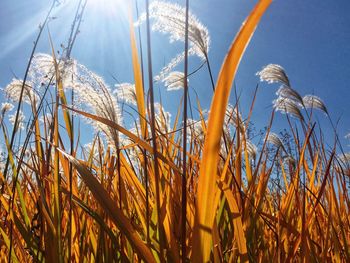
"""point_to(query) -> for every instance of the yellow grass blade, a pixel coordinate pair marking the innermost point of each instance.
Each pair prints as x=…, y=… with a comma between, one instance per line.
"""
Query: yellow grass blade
x=138, y=79
x=205, y=211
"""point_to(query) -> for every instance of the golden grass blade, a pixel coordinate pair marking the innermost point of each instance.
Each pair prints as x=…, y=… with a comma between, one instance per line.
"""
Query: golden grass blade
x=138, y=79
x=205, y=211
x=56, y=191
x=122, y=222
x=61, y=93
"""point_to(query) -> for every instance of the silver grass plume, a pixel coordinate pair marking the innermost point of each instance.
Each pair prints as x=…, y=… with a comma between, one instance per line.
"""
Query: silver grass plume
x=169, y=18
x=251, y=149
x=174, y=80
x=274, y=139
x=288, y=106
x=273, y=73
x=162, y=118
x=13, y=91
x=6, y=107
x=195, y=131
x=42, y=69
x=47, y=118
x=287, y=92
x=231, y=117
x=126, y=92
x=95, y=95
x=20, y=123
x=314, y=102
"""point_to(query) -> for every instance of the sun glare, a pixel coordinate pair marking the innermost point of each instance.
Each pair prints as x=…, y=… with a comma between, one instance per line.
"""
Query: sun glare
x=110, y=8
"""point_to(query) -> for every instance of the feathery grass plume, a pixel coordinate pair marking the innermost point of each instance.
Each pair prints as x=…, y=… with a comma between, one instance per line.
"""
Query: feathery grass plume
x=94, y=95
x=286, y=105
x=274, y=139
x=169, y=18
x=42, y=70
x=287, y=92
x=126, y=92
x=20, y=123
x=252, y=149
x=6, y=107
x=47, y=118
x=273, y=73
x=195, y=131
x=163, y=118
x=174, y=80
x=233, y=118
x=314, y=102
x=13, y=91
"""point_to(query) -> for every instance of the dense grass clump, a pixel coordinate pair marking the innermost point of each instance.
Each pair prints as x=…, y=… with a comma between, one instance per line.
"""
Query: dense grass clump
x=190, y=189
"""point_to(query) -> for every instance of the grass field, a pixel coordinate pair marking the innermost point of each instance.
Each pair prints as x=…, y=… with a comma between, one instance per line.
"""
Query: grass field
x=186, y=190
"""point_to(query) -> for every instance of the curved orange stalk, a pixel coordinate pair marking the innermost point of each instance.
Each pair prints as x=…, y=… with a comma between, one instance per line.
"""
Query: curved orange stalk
x=206, y=189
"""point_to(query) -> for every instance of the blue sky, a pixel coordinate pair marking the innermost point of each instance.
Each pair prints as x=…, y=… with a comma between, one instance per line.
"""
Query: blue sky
x=310, y=39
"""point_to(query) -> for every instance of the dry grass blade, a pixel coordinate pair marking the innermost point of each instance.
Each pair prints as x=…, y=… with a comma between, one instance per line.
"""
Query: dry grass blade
x=205, y=211
x=138, y=80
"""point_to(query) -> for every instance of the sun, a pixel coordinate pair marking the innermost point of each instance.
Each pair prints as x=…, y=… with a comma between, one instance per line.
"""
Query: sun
x=108, y=7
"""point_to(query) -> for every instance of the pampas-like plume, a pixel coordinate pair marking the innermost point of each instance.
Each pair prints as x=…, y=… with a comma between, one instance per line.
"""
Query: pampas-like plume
x=287, y=92
x=169, y=19
x=13, y=91
x=251, y=149
x=286, y=105
x=273, y=73
x=6, y=107
x=174, y=80
x=126, y=92
x=232, y=117
x=274, y=139
x=314, y=102
x=20, y=123
x=42, y=70
x=95, y=95
x=195, y=131
x=163, y=118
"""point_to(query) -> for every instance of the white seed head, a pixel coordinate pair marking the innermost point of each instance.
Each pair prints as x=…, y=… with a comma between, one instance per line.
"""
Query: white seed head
x=169, y=18
x=286, y=105
x=251, y=149
x=174, y=80
x=13, y=91
x=287, y=92
x=20, y=123
x=273, y=73
x=5, y=107
x=274, y=139
x=126, y=92
x=162, y=118
x=314, y=102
